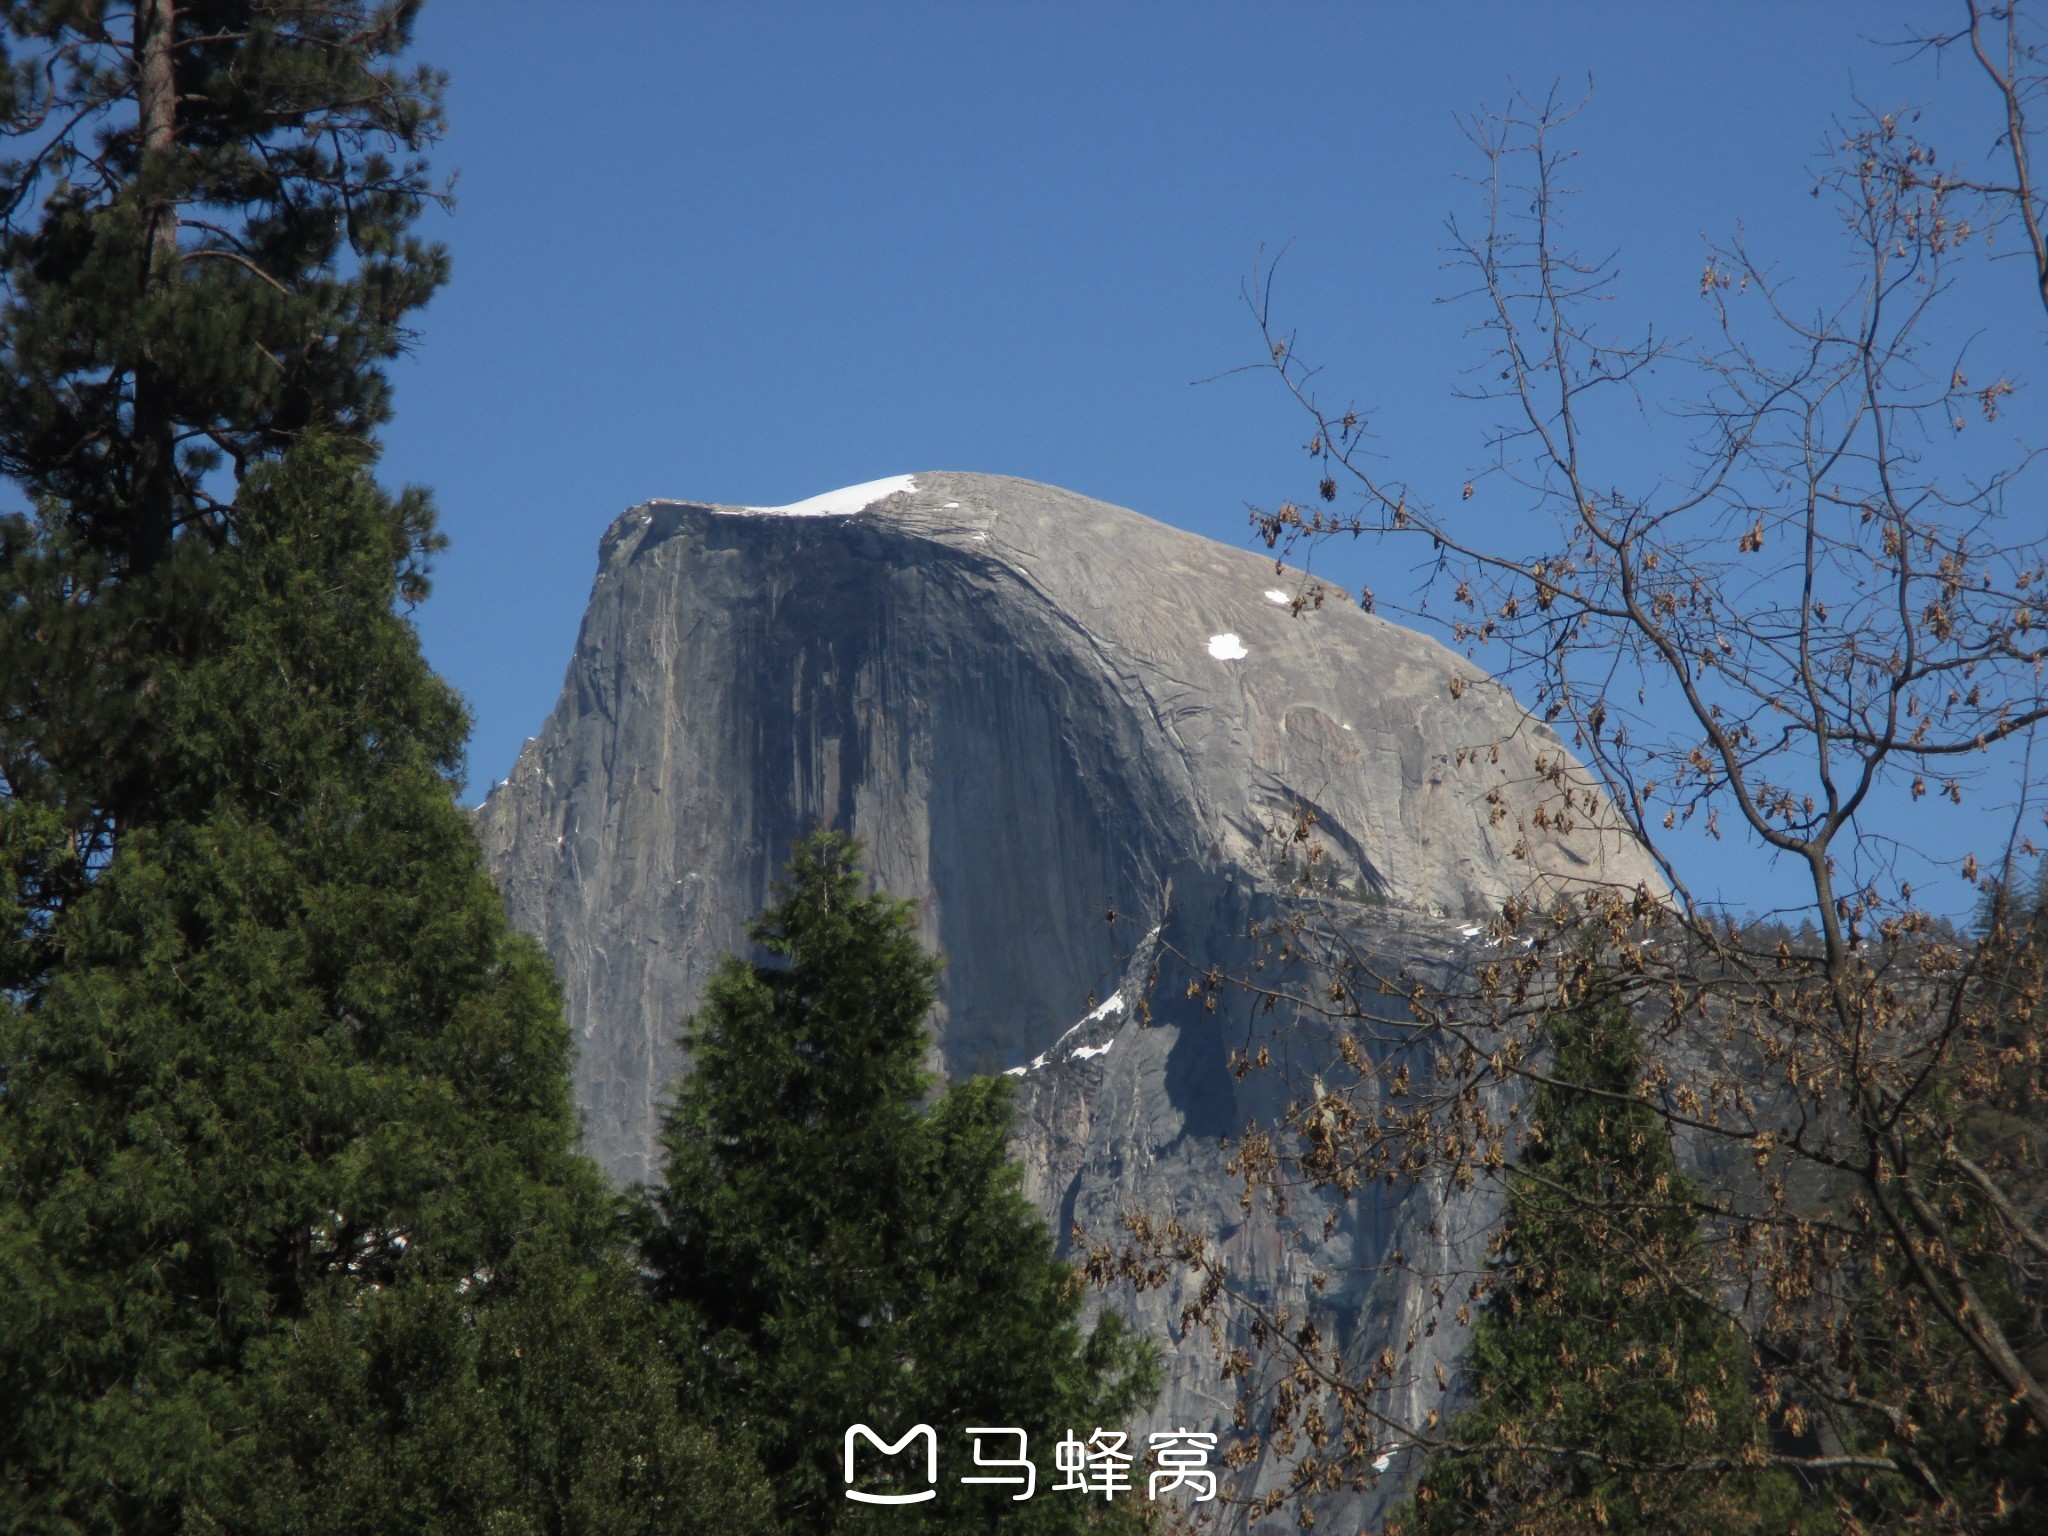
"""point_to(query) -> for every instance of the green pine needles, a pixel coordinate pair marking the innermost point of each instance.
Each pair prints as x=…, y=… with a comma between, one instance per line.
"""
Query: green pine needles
x=207, y=256
x=293, y=1232
x=206, y=238
x=1609, y=1393
x=834, y=1243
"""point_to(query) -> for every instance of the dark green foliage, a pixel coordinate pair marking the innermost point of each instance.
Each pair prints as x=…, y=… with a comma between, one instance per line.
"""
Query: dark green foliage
x=203, y=264
x=293, y=1233
x=550, y=1408
x=205, y=256
x=287, y=1163
x=1963, y=1442
x=831, y=1250
x=1608, y=1392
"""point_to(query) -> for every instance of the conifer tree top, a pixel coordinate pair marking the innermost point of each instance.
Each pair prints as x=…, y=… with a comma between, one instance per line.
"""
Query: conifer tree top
x=205, y=246
x=835, y=1244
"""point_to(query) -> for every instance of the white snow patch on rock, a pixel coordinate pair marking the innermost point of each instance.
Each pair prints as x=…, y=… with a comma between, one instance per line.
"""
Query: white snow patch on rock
x=1275, y=595
x=844, y=502
x=1114, y=1005
x=1082, y=1053
x=1227, y=647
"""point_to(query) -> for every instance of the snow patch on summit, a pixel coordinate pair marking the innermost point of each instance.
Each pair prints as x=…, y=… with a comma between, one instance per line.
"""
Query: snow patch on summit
x=844, y=502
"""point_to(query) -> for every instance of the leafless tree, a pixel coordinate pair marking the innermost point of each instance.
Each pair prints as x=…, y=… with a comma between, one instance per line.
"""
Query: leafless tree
x=1823, y=614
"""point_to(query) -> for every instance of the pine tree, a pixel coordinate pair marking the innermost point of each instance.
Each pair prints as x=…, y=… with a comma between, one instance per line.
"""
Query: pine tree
x=1608, y=1392
x=832, y=1245
x=206, y=255
x=207, y=246
x=293, y=1232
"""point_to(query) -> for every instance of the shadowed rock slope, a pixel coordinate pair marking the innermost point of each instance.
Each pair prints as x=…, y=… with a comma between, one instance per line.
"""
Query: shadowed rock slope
x=1036, y=710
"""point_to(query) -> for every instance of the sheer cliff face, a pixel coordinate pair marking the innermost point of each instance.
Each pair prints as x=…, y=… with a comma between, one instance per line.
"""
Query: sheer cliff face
x=1036, y=710
x=1031, y=707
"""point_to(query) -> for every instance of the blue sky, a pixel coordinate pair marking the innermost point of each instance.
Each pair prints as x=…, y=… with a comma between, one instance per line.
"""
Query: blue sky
x=751, y=252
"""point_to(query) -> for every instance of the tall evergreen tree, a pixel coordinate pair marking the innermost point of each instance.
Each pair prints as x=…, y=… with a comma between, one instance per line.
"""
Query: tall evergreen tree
x=1608, y=1392
x=833, y=1245
x=206, y=254
x=293, y=1233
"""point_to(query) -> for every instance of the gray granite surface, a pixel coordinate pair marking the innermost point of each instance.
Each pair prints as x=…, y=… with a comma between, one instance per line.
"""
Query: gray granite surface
x=1035, y=709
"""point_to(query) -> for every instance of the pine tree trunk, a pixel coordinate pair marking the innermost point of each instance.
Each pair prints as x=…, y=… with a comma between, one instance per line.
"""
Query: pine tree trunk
x=153, y=511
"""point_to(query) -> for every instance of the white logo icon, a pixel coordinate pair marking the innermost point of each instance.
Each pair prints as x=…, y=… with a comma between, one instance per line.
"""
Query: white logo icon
x=931, y=1458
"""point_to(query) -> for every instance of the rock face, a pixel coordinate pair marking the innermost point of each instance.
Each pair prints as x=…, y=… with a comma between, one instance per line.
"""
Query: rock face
x=1037, y=711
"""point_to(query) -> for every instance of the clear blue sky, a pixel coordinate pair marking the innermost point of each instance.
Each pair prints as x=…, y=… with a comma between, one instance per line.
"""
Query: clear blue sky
x=748, y=252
